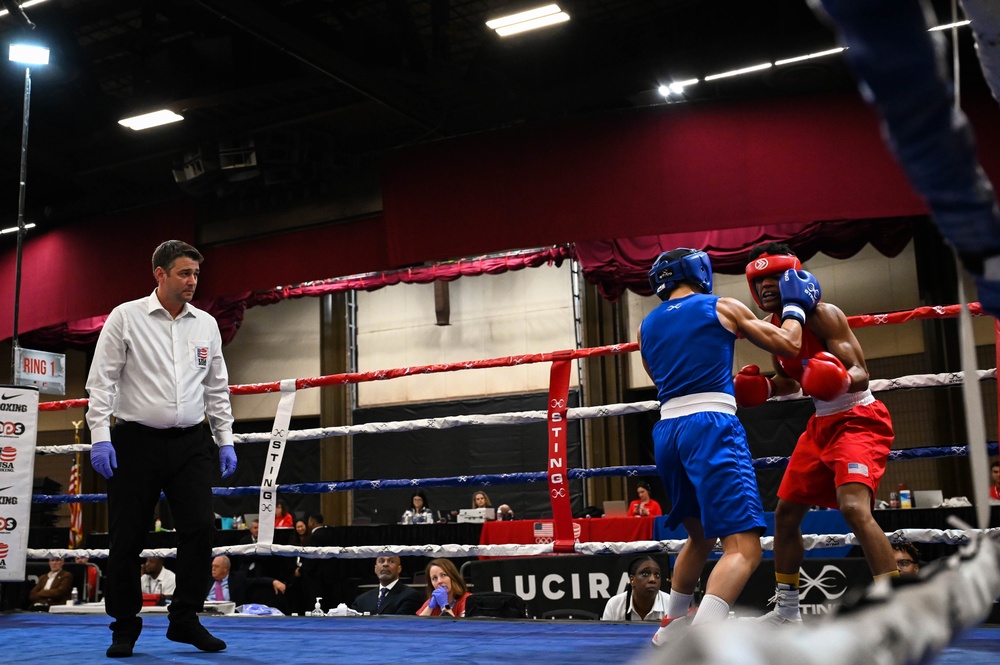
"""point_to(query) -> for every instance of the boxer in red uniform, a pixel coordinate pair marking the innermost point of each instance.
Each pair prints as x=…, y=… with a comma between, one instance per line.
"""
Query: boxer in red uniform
x=840, y=458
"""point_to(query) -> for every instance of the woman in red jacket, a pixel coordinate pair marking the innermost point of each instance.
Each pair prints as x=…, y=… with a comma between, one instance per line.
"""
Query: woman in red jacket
x=644, y=506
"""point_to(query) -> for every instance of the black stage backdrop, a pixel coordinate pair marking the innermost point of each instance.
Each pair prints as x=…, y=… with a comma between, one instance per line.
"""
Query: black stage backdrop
x=460, y=451
x=299, y=464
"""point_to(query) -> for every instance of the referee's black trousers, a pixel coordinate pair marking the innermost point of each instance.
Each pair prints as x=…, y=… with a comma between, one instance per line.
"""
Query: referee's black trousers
x=182, y=463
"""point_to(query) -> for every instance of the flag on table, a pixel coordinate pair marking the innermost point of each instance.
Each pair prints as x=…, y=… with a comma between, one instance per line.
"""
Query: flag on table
x=75, y=511
x=544, y=532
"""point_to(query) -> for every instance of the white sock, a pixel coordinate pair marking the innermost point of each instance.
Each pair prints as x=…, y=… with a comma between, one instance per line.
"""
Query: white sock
x=679, y=604
x=788, y=601
x=712, y=608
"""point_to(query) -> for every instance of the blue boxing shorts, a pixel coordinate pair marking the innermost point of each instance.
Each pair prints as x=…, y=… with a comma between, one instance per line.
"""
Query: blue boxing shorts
x=704, y=462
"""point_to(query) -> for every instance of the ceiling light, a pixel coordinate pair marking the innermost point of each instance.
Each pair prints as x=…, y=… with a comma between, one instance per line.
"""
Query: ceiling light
x=532, y=19
x=28, y=54
x=13, y=229
x=24, y=5
x=737, y=72
x=948, y=26
x=154, y=119
x=675, y=88
x=810, y=56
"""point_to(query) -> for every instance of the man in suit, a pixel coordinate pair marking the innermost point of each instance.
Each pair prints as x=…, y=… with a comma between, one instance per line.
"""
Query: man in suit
x=232, y=585
x=318, y=574
x=391, y=596
x=54, y=587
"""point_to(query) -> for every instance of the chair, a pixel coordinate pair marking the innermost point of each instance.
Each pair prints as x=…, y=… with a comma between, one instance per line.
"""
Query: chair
x=570, y=613
x=420, y=577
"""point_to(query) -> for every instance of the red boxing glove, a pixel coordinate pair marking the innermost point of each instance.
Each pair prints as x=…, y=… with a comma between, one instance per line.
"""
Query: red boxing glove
x=825, y=377
x=752, y=388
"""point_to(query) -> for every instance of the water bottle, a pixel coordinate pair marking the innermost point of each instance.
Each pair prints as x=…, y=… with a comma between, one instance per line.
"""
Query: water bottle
x=74, y=597
x=894, y=499
x=158, y=525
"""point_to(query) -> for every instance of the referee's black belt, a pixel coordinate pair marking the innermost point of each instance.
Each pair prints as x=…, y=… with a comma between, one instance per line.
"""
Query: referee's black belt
x=158, y=431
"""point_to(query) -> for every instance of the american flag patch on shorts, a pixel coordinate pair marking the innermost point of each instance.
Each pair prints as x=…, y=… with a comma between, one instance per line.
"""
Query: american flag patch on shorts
x=857, y=469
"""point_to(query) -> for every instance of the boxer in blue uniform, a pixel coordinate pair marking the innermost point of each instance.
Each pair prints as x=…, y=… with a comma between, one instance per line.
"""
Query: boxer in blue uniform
x=687, y=346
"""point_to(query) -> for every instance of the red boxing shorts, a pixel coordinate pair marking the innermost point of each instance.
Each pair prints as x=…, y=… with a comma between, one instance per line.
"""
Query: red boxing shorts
x=847, y=447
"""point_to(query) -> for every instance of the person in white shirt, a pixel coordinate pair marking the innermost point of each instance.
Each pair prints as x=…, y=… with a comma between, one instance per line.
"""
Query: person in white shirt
x=158, y=369
x=642, y=600
x=156, y=578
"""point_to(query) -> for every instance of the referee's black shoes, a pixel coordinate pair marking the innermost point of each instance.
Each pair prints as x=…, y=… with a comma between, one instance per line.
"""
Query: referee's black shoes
x=195, y=634
x=124, y=633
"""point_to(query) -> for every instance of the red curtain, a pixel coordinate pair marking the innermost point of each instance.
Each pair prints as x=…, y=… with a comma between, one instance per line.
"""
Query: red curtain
x=623, y=263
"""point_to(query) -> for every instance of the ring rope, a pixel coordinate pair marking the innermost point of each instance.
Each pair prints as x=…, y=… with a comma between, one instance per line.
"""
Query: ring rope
x=862, y=321
x=809, y=541
x=759, y=463
x=526, y=417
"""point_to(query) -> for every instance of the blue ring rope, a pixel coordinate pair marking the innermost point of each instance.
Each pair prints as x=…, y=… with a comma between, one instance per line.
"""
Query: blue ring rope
x=483, y=480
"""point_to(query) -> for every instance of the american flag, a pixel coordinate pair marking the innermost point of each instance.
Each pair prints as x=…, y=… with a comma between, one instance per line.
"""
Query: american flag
x=544, y=533
x=75, y=512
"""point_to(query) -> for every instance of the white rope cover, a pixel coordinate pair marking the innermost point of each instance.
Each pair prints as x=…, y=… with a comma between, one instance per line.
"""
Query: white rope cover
x=811, y=541
x=523, y=417
x=896, y=625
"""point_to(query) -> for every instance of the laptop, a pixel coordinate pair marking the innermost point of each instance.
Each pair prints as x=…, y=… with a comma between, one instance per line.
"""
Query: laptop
x=927, y=498
x=616, y=508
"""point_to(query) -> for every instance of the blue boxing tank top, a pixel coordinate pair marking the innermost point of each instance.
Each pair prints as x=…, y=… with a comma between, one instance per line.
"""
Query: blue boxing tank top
x=686, y=348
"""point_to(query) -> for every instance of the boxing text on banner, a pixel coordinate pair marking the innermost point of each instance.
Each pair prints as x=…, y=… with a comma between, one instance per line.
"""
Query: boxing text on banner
x=562, y=512
x=43, y=370
x=18, y=435
x=272, y=464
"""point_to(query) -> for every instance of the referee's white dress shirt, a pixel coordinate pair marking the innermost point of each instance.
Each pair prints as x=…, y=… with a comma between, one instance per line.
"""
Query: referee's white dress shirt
x=152, y=369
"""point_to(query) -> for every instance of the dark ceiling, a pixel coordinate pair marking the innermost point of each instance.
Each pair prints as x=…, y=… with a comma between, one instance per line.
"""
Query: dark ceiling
x=315, y=92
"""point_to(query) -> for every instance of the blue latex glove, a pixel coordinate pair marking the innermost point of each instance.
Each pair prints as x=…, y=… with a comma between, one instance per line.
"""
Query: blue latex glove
x=103, y=459
x=440, y=597
x=227, y=460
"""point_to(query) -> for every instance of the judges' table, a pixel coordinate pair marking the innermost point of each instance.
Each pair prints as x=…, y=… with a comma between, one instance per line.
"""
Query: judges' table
x=598, y=530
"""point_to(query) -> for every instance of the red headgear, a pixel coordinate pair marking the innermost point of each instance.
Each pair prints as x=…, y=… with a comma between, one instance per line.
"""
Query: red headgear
x=769, y=264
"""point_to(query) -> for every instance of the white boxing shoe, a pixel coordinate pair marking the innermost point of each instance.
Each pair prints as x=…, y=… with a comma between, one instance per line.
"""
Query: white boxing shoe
x=775, y=619
x=669, y=629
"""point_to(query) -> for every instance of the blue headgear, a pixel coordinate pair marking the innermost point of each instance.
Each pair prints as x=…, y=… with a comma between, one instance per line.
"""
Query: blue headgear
x=672, y=268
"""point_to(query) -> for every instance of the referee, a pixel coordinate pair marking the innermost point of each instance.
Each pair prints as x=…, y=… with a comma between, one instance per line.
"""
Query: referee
x=158, y=369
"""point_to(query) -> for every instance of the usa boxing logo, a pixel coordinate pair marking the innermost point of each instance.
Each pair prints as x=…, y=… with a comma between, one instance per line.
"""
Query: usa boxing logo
x=7, y=456
x=201, y=356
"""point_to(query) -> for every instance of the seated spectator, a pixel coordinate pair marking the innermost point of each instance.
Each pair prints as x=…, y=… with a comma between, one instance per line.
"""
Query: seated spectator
x=419, y=511
x=446, y=590
x=301, y=536
x=232, y=585
x=481, y=500
x=504, y=512
x=907, y=559
x=642, y=600
x=391, y=596
x=156, y=578
x=644, y=506
x=54, y=588
x=995, y=481
x=283, y=518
